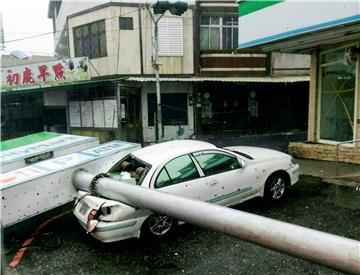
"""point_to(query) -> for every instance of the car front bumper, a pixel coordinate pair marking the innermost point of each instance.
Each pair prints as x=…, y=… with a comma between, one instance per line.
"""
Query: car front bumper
x=294, y=174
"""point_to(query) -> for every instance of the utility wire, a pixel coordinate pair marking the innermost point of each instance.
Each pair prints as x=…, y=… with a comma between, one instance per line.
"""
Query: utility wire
x=60, y=31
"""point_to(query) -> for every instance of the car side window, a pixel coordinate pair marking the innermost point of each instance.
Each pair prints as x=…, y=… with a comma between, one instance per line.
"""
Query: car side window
x=177, y=170
x=215, y=163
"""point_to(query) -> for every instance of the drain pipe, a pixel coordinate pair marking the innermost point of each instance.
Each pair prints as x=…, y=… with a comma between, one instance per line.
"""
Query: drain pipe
x=325, y=249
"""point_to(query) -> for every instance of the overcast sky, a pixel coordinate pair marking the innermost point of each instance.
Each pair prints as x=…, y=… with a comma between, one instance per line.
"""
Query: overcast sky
x=24, y=18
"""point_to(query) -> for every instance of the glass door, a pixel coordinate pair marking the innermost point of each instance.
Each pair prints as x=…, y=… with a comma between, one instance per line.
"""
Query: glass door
x=337, y=97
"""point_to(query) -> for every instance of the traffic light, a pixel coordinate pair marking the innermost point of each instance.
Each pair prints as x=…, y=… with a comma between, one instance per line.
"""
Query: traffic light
x=176, y=8
x=161, y=6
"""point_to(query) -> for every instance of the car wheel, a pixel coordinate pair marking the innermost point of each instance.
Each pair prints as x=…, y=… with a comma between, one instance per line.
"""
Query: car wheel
x=157, y=226
x=275, y=187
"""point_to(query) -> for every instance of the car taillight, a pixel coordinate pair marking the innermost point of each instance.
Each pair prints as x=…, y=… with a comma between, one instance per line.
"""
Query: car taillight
x=92, y=214
x=106, y=210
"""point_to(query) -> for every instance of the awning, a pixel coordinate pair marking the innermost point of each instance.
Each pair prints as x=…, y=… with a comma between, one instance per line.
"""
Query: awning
x=303, y=26
x=266, y=79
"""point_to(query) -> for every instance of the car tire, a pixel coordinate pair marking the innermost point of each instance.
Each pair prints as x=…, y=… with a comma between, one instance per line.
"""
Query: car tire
x=157, y=226
x=275, y=187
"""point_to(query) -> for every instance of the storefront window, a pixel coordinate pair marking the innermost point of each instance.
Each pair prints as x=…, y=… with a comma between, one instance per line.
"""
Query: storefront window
x=337, y=97
x=174, y=109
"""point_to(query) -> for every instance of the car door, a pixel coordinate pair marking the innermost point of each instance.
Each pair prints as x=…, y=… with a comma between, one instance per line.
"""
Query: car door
x=181, y=177
x=228, y=182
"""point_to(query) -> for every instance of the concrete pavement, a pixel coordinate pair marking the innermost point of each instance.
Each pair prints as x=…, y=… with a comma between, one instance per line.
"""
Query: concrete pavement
x=348, y=174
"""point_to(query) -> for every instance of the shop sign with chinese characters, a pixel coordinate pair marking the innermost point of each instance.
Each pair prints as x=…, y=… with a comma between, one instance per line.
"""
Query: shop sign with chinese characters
x=45, y=74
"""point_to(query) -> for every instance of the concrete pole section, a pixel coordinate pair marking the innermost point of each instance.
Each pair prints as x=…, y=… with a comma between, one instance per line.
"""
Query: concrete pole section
x=325, y=249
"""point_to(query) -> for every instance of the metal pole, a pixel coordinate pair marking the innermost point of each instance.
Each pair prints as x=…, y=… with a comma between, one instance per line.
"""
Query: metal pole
x=158, y=95
x=156, y=65
x=326, y=249
x=337, y=159
x=118, y=107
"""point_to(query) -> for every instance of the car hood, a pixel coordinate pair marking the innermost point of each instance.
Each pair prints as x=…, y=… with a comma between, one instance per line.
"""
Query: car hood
x=257, y=153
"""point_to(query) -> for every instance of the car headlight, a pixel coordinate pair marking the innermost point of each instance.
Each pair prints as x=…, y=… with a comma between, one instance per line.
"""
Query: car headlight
x=293, y=161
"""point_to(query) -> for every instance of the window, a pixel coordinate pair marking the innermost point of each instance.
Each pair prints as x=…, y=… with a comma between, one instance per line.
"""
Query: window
x=337, y=104
x=126, y=23
x=173, y=109
x=90, y=40
x=218, y=32
x=178, y=170
x=215, y=163
x=171, y=37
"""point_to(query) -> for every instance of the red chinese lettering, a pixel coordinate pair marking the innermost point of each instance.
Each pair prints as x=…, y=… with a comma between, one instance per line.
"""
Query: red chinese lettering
x=43, y=72
x=12, y=78
x=27, y=76
x=59, y=71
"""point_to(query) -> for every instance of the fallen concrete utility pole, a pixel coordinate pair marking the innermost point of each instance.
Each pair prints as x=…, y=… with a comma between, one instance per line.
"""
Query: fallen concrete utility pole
x=326, y=249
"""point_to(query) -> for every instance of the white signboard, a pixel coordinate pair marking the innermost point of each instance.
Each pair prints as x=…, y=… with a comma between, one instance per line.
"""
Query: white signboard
x=267, y=21
x=99, y=120
x=87, y=114
x=44, y=74
x=110, y=114
x=74, y=110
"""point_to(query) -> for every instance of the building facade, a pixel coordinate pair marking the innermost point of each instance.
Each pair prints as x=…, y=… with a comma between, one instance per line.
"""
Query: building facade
x=330, y=32
x=208, y=86
x=242, y=91
x=117, y=36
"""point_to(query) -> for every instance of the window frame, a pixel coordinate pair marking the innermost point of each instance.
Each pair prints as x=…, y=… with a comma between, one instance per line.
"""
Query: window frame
x=101, y=45
x=164, y=108
x=234, y=27
x=204, y=152
x=320, y=66
x=162, y=167
x=126, y=18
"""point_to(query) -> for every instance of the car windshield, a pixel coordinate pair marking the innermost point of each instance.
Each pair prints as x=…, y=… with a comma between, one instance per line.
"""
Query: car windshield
x=129, y=170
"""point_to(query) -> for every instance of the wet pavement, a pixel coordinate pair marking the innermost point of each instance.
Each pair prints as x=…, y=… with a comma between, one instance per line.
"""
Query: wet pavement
x=65, y=248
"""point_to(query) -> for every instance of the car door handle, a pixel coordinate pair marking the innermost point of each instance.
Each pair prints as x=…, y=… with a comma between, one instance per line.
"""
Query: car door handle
x=212, y=182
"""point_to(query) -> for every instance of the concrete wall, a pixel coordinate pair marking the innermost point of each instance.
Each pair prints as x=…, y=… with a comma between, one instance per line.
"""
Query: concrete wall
x=170, y=132
x=123, y=46
x=123, y=57
x=289, y=64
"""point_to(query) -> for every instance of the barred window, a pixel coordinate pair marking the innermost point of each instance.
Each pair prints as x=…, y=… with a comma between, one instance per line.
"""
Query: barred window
x=218, y=32
x=90, y=40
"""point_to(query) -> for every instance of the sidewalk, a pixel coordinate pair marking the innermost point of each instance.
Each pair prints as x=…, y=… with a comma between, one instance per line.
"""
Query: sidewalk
x=349, y=174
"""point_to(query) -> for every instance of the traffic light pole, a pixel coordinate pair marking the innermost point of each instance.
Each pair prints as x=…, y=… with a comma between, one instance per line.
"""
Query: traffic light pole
x=177, y=8
x=156, y=65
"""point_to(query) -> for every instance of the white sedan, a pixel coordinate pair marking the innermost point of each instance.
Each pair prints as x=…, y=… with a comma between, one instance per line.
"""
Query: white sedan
x=188, y=168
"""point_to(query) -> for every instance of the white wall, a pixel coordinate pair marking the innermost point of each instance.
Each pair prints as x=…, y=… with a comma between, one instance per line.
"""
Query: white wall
x=170, y=132
x=175, y=64
x=290, y=64
x=124, y=58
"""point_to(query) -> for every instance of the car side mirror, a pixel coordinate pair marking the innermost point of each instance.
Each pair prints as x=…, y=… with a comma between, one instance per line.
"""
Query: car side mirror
x=242, y=163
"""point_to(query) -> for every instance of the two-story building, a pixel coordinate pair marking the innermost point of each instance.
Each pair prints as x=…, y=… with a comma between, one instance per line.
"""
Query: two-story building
x=207, y=84
x=117, y=36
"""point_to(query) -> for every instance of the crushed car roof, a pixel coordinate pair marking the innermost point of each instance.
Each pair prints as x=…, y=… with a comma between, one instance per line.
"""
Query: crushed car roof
x=158, y=153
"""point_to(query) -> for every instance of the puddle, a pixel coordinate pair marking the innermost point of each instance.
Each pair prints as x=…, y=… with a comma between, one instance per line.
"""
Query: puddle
x=343, y=196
